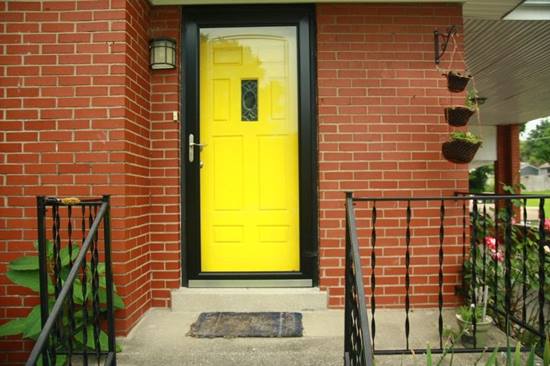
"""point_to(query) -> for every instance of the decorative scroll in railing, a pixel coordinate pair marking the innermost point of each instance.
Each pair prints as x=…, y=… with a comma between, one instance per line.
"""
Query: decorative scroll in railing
x=76, y=285
x=357, y=343
x=470, y=249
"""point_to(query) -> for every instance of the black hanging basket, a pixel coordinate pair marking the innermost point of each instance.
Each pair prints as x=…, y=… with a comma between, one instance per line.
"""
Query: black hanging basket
x=460, y=151
x=458, y=116
x=456, y=81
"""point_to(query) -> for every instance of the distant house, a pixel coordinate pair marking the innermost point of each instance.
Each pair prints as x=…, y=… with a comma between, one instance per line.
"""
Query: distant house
x=526, y=169
x=544, y=169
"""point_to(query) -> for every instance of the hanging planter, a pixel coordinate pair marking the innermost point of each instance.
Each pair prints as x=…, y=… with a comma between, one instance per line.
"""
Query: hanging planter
x=458, y=116
x=461, y=148
x=456, y=81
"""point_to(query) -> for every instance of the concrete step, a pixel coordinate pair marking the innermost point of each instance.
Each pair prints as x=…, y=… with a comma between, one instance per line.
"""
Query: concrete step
x=248, y=299
x=160, y=339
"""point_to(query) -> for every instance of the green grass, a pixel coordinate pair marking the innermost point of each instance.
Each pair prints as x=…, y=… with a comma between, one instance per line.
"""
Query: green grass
x=533, y=202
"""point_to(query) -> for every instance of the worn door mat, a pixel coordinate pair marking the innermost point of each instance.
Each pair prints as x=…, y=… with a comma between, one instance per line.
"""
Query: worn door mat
x=230, y=325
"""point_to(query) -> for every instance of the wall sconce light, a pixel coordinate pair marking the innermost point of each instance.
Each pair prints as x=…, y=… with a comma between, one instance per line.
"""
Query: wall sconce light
x=162, y=53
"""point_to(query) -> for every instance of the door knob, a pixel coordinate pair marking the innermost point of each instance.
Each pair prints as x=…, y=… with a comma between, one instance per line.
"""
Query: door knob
x=192, y=145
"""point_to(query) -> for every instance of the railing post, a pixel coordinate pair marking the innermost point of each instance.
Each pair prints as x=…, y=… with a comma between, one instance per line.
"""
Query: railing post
x=542, y=275
x=109, y=278
x=407, y=274
x=347, y=279
x=440, y=278
x=473, y=254
x=507, y=268
x=43, y=269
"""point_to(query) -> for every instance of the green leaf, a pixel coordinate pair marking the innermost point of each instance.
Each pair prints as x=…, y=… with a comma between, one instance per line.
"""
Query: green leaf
x=546, y=353
x=64, y=254
x=492, y=359
x=117, y=300
x=49, y=248
x=61, y=360
x=13, y=327
x=24, y=264
x=28, y=279
x=77, y=292
x=517, y=355
x=103, y=339
x=33, y=323
x=531, y=358
x=429, y=356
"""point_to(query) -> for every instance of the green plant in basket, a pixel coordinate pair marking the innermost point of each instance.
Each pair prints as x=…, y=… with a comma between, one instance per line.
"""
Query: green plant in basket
x=24, y=271
x=465, y=136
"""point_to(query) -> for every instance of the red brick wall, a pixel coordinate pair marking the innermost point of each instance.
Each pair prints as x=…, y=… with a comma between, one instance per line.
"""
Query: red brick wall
x=381, y=126
x=76, y=112
x=165, y=164
x=133, y=270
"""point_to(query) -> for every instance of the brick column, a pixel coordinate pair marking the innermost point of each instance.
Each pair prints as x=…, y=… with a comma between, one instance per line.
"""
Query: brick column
x=508, y=158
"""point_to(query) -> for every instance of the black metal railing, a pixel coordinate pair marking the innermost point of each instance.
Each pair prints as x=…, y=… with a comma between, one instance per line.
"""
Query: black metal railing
x=76, y=283
x=357, y=341
x=446, y=250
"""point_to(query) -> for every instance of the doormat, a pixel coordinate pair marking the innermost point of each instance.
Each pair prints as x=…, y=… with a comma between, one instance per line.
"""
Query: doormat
x=232, y=325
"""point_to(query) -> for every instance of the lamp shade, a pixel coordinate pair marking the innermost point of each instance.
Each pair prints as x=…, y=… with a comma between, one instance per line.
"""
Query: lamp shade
x=162, y=53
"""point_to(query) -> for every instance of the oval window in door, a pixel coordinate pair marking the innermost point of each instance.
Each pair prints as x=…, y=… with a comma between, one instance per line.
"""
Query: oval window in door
x=249, y=100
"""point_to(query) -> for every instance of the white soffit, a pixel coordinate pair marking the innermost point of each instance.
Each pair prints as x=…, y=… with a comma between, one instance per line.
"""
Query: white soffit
x=509, y=61
x=489, y=9
x=531, y=10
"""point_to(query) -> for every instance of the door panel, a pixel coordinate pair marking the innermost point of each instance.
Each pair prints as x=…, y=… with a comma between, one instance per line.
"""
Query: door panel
x=249, y=185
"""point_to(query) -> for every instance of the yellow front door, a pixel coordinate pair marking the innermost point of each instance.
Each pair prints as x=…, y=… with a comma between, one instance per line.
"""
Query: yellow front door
x=249, y=194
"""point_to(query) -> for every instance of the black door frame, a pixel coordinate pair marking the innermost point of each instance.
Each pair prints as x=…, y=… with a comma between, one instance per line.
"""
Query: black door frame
x=303, y=17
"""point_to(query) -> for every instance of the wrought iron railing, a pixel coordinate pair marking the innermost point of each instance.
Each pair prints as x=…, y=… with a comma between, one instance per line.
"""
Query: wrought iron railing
x=76, y=283
x=357, y=342
x=465, y=242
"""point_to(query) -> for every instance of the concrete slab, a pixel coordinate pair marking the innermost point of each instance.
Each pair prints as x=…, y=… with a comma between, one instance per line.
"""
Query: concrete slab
x=160, y=339
x=248, y=299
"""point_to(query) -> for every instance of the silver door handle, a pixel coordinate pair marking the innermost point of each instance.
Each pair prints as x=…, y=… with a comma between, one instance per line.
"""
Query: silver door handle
x=192, y=145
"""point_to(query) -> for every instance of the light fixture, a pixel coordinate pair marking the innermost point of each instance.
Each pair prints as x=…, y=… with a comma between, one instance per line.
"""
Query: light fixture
x=162, y=53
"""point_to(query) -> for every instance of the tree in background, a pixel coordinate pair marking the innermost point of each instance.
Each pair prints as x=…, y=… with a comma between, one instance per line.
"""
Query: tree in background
x=478, y=178
x=536, y=149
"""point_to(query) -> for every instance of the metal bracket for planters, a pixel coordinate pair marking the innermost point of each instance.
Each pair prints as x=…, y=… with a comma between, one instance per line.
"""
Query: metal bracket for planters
x=441, y=48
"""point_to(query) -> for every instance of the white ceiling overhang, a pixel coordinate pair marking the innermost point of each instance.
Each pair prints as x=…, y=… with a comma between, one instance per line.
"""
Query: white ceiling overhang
x=510, y=59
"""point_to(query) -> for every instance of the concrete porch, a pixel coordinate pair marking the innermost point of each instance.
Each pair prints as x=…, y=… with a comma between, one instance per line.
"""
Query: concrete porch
x=160, y=337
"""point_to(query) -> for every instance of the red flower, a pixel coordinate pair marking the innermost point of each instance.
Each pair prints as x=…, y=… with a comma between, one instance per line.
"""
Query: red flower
x=547, y=224
x=491, y=243
x=497, y=256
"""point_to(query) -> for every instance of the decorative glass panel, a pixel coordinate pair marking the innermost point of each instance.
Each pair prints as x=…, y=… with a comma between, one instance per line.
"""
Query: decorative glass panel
x=249, y=100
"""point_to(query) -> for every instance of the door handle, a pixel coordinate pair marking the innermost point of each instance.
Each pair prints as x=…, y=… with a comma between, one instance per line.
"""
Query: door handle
x=192, y=145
